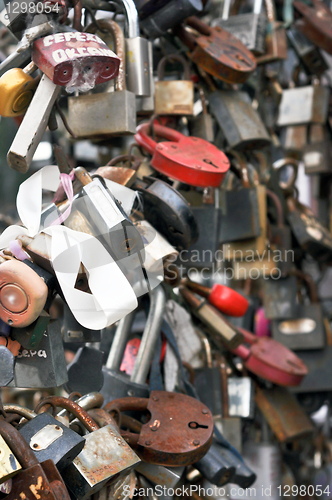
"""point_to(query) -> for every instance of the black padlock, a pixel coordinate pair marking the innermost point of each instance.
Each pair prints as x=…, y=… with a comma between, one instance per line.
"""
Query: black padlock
x=81, y=379
x=305, y=330
x=50, y=439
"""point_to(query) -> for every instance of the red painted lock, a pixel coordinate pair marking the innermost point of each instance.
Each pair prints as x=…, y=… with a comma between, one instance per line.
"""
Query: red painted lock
x=270, y=360
x=73, y=58
x=222, y=297
x=190, y=160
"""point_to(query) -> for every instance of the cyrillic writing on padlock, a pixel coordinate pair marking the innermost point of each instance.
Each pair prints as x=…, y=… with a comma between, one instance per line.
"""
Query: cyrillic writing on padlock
x=74, y=58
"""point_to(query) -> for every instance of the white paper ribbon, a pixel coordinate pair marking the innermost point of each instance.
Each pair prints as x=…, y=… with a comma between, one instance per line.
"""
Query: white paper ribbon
x=112, y=296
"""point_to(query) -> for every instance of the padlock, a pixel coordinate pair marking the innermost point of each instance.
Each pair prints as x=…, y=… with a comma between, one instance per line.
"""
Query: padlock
x=305, y=330
x=17, y=88
x=34, y=479
x=114, y=113
x=219, y=328
x=74, y=59
x=107, y=219
x=308, y=53
x=9, y=465
x=276, y=39
x=168, y=212
x=105, y=454
x=44, y=366
x=315, y=23
x=270, y=360
x=33, y=125
x=233, y=226
x=230, y=427
x=286, y=418
x=6, y=366
x=293, y=140
x=201, y=125
x=279, y=298
x=161, y=17
x=249, y=28
x=253, y=247
x=179, y=431
x=217, y=52
x=187, y=159
x=117, y=384
x=317, y=153
x=174, y=97
x=207, y=381
x=23, y=294
x=215, y=467
x=31, y=336
x=241, y=401
x=137, y=53
x=309, y=233
x=222, y=297
x=80, y=379
x=72, y=331
x=318, y=379
x=50, y=439
x=158, y=474
x=302, y=105
x=241, y=125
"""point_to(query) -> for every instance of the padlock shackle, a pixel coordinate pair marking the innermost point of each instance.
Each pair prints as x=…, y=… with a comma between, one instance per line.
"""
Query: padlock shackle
x=120, y=340
x=187, y=38
x=127, y=404
x=200, y=26
x=242, y=168
x=278, y=165
x=311, y=285
x=119, y=47
x=71, y=406
x=146, y=140
x=131, y=16
x=172, y=57
x=20, y=410
x=277, y=203
x=18, y=445
x=89, y=401
x=102, y=417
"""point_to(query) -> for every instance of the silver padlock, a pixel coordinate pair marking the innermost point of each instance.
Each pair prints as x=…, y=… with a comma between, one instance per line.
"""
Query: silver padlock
x=108, y=113
x=137, y=53
x=117, y=384
x=250, y=27
x=33, y=125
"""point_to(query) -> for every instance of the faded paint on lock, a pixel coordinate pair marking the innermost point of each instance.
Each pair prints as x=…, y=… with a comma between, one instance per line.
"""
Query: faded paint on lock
x=9, y=464
x=174, y=98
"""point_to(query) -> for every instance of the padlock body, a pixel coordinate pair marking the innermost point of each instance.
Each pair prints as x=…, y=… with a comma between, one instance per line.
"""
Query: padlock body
x=138, y=61
x=304, y=331
x=101, y=115
x=49, y=439
x=16, y=90
x=249, y=28
x=241, y=220
x=279, y=298
x=304, y=105
x=174, y=97
x=240, y=123
x=105, y=454
x=74, y=58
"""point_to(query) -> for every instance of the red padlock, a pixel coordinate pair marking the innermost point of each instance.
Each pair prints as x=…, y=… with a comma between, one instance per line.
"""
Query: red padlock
x=190, y=160
x=270, y=360
x=222, y=297
x=73, y=58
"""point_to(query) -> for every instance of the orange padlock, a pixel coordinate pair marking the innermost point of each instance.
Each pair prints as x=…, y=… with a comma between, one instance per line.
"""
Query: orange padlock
x=23, y=294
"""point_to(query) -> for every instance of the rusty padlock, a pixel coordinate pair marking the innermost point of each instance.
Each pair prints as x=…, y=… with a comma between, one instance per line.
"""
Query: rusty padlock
x=179, y=431
x=73, y=59
x=315, y=23
x=35, y=481
x=174, y=97
x=217, y=51
x=191, y=160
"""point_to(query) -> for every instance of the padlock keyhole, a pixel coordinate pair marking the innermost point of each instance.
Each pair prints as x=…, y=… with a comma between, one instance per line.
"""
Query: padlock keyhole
x=196, y=425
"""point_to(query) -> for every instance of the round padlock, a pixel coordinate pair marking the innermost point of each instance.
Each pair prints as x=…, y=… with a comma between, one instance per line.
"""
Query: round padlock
x=23, y=294
x=16, y=91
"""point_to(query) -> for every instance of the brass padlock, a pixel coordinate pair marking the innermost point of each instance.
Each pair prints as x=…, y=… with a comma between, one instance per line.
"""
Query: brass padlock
x=107, y=113
x=174, y=97
x=17, y=88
